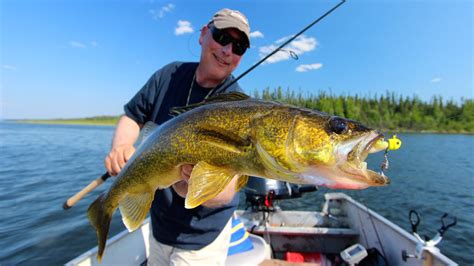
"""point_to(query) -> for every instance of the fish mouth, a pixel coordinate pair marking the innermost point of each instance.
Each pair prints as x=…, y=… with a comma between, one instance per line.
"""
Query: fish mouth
x=357, y=175
x=369, y=148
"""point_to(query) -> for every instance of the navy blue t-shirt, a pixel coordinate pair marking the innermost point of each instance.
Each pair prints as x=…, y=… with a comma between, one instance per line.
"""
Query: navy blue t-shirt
x=172, y=224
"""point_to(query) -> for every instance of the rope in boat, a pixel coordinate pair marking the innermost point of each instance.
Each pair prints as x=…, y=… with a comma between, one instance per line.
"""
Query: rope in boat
x=373, y=224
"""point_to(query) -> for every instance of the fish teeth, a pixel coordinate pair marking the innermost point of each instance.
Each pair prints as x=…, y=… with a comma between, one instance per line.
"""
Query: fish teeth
x=363, y=165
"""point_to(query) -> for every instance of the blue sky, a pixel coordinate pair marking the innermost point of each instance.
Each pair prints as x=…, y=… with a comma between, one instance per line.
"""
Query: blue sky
x=66, y=59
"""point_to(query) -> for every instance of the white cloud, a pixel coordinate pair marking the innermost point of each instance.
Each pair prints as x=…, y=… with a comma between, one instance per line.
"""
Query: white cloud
x=9, y=67
x=168, y=8
x=75, y=44
x=82, y=45
x=183, y=27
x=283, y=39
x=305, y=68
x=299, y=46
x=303, y=44
x=435, y=80
x=161, y=12
x=256, y=34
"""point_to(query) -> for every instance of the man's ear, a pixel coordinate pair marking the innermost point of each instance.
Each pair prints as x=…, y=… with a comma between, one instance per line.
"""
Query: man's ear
x=204, y=30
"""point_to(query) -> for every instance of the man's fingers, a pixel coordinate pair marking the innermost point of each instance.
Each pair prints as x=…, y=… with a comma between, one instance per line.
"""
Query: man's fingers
x=116, y=167
x=117, y=158
x=128, y=153
x=121, y=160
x=108, y=165
x=186, y=171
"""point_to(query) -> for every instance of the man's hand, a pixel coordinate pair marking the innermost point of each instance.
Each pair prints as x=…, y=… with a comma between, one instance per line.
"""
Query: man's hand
x=222, y=198
x=226, y=195
x=181, y=187
x=117, y=158
x=122, y=149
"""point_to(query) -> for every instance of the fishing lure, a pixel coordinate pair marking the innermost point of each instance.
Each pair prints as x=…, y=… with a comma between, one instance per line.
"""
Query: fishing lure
x=393, y=144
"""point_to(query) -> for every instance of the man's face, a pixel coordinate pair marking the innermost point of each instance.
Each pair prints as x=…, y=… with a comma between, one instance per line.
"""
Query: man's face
x=218, y=61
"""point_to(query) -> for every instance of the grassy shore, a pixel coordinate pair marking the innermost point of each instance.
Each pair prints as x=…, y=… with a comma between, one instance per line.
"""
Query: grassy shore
x=89, y=121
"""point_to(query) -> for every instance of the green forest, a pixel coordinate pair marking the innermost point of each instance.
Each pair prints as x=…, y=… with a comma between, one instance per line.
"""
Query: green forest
x=387, y=111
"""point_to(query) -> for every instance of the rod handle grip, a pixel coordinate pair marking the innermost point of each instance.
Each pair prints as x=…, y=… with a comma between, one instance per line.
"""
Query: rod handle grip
x=79, y=195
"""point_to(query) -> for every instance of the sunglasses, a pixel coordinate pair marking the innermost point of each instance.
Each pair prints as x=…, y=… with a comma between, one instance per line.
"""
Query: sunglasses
x=223, y=38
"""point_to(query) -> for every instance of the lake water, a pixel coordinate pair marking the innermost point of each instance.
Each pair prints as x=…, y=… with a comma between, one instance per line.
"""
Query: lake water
x=42, y=165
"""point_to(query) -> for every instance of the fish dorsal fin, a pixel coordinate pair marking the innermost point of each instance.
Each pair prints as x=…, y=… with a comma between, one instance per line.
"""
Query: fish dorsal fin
x=228, y=97
x=146, y=131
x=223, y=97
x=206, y=182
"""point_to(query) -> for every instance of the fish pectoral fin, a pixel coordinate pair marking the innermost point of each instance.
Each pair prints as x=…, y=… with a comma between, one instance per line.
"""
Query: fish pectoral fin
x=241, y=182
x=206, y=182
x=134, y=208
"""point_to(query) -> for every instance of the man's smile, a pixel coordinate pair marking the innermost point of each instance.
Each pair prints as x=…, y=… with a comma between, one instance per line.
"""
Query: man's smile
x=220, y=60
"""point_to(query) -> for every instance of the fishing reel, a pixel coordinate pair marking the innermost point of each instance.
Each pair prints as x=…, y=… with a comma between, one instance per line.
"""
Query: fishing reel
x=426, y=243
x=261, y=193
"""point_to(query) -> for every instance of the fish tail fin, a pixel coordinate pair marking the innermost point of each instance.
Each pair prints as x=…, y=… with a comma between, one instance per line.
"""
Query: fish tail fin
x=99, y=217
x=134, y=208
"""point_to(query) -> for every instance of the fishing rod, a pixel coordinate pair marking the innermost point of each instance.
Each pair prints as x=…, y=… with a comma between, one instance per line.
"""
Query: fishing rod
x=97, y=182
x=284, y=44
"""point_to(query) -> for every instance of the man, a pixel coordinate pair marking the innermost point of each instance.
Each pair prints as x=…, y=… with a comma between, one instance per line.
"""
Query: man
x=198, y=236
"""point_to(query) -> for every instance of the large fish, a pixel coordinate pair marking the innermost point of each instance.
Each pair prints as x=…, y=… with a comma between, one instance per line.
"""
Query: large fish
x=231, y=135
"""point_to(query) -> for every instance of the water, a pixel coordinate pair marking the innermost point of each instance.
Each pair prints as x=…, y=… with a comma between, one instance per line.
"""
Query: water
x=42, y=165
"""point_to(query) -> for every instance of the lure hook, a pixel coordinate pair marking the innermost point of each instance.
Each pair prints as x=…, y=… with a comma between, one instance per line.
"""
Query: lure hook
x=394, y=143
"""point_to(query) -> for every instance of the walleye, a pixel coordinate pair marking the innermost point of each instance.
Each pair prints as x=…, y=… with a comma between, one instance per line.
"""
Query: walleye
x=235, y=135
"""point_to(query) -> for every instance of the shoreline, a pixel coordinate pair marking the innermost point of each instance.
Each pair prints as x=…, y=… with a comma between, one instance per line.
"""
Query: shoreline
x=113, y=122
x=65, y=122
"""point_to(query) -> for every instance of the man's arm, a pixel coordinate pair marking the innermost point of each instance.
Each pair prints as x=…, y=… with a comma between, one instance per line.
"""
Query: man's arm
x=125, y=135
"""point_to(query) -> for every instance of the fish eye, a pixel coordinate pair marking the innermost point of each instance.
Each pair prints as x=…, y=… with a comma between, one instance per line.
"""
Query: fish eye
x=338, y=125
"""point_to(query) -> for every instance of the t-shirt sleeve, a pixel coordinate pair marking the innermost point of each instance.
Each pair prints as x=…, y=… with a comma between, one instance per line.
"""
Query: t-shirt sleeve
x=141, y=106
x=233, y=87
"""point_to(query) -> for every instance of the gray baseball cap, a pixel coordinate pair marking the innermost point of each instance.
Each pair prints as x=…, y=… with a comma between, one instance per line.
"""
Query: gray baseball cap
x=228, y=18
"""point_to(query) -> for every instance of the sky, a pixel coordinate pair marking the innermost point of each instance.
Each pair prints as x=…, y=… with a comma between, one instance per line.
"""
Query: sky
x=74, y=59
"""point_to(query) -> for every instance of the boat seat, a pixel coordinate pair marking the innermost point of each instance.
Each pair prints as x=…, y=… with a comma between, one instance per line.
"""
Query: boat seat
x=260, y=252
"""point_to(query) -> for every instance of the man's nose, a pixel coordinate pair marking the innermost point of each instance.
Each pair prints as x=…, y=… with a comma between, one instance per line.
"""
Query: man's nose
x=227, y=49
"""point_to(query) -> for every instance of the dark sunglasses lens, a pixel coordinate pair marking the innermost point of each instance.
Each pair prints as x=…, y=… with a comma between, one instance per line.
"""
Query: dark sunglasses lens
x=238, y=48
x=220, y=37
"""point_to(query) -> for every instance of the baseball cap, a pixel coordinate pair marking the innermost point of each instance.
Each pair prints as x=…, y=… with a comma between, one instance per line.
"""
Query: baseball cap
x=228, y=18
